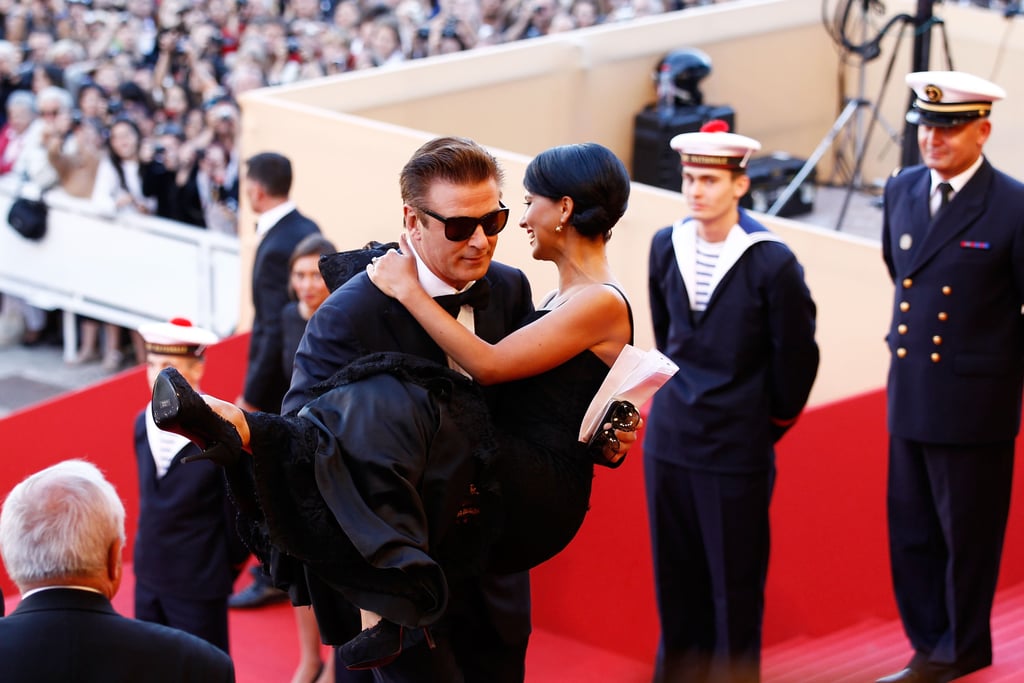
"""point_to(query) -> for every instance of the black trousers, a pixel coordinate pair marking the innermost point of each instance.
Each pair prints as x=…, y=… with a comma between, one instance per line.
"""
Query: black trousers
x=948, y=507
x=710, y=538
x=204, y=618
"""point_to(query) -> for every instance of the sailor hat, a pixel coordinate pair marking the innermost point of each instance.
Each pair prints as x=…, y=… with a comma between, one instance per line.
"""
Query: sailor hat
x=177, y=337
x=950, y=98
x=715, y=147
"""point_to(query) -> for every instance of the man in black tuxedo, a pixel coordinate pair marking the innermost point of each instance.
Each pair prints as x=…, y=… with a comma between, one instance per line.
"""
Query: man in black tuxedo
x=487, y=625
x=280, y=228
x=953, y=240
x=187, y=550
x=61, y=537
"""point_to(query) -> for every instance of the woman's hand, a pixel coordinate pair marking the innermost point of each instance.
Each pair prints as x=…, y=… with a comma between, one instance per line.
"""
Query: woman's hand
x=394, y=273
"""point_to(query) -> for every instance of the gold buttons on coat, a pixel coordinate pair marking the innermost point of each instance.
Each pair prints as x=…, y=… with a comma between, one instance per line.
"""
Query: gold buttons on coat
x=907, y=282
x=943, y=316
x=904, y=306
x=901, y=328
x=936, y=357
x=937, y=340
x=947, y=290
x=901, y=352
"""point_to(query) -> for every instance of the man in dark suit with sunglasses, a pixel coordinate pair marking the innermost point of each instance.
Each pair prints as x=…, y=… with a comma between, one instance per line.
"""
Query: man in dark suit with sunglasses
x=451, y=191
x=953, y=240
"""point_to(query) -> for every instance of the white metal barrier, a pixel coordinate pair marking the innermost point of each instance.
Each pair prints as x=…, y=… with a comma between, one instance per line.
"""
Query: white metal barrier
x=121, y=269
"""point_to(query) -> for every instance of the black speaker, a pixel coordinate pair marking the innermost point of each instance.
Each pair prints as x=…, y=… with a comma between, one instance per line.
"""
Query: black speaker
x=654, y=162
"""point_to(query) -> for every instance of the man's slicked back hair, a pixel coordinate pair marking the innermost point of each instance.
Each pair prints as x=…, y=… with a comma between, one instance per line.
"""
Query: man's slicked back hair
x=455, y=160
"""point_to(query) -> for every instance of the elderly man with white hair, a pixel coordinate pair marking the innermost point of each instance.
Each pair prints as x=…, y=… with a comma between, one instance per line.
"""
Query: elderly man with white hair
x=61, y=538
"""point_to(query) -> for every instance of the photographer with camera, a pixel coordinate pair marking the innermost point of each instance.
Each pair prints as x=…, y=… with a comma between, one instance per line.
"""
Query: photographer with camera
x=532, y=19
x=217, y=192
x=170, y=176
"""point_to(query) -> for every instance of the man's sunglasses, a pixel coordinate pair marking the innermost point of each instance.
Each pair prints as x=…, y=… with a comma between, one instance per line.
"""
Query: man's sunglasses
x=461, y=228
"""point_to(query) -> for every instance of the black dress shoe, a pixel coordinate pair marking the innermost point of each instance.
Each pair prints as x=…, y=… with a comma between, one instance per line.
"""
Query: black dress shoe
x=178, y=408
x=259, y=593
x=907, y=675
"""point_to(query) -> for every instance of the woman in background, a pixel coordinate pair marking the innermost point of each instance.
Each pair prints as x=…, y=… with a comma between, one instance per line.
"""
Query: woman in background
x=118, y=188
x=307, y=286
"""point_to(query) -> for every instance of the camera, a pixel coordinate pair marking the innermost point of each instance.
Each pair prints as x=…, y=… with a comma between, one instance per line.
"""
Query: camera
x=451, y=28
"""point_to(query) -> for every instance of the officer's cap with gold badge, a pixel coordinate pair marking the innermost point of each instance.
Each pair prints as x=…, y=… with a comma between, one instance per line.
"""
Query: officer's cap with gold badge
x=950, y=98
x=715, y=147
x=177, y=337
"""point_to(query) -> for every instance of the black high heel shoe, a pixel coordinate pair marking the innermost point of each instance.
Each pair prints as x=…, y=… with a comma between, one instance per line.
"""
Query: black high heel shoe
x=380, y=645
x=373, y=647
x=178, y=408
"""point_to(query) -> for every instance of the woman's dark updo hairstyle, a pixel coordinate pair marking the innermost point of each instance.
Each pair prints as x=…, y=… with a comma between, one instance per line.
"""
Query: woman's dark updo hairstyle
x=595, y=179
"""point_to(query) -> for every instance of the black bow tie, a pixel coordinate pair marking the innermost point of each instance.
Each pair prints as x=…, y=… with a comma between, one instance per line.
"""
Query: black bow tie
x=476, y=296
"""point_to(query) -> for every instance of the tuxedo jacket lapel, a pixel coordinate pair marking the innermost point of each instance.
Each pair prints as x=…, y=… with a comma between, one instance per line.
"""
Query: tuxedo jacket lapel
x=489, y=323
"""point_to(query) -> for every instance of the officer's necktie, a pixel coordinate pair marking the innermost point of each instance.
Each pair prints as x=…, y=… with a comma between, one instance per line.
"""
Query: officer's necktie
x=945, y=189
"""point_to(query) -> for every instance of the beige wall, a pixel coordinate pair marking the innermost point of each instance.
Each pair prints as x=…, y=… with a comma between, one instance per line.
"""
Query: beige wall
x=772, y=62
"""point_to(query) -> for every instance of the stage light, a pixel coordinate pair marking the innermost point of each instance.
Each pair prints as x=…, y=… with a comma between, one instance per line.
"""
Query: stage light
x=687, y=68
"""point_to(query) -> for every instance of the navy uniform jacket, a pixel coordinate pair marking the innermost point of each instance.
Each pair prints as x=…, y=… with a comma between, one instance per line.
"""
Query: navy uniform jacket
x=745, y=366
x=186, y=545
x=265, y=381
x=957, y=335
x=66, y=634
x=358, y=319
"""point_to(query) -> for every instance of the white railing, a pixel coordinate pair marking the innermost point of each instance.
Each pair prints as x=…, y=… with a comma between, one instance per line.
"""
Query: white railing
x=122, y=269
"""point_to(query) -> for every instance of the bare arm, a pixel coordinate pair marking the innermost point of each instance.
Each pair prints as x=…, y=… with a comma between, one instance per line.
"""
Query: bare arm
x=595, y=318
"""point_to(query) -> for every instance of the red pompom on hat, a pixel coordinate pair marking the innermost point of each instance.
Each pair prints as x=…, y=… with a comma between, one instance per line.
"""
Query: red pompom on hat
x=715, y=126
x=177, y=337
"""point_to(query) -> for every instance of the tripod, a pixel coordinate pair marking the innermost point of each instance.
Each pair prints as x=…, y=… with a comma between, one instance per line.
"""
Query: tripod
x=852, y=112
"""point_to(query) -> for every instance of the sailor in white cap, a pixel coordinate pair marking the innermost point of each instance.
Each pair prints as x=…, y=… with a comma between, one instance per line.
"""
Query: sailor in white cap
x=953, y=241
x=730, y=307
x=187, y=552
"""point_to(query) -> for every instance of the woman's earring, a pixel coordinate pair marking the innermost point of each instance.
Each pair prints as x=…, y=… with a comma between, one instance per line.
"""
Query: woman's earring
x=558, y=228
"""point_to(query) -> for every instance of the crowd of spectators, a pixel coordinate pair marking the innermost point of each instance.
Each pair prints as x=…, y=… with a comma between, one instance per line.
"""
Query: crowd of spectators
x=133, y=104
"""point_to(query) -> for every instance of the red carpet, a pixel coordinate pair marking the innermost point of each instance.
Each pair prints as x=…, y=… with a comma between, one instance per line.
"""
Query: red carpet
x=829, y=615
x=264, y=648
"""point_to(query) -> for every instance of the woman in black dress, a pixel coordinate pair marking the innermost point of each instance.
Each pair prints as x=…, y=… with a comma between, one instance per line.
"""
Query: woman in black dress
x=308, y=290
x=462, y=487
